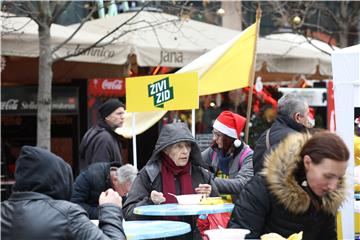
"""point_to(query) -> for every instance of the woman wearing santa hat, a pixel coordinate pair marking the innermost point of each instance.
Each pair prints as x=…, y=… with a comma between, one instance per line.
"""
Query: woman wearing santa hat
x=230, y=158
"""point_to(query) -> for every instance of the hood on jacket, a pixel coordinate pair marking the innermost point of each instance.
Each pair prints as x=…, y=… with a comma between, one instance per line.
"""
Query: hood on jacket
x=173, y=133
x=38, y=170
x=280, y=168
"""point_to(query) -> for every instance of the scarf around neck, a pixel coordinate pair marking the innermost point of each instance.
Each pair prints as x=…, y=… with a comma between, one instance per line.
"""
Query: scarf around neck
x=170, y=172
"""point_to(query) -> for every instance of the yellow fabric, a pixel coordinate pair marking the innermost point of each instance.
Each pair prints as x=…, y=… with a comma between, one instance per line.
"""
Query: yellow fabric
x=162, y=92
x=339, y=226
x=233, y=69
x=144, y=120
x=357, y=150
x=357, y=224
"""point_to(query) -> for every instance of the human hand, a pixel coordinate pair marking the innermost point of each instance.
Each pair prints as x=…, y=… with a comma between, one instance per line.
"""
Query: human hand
x=110, y=196
x=157, y=197
x=203, y=189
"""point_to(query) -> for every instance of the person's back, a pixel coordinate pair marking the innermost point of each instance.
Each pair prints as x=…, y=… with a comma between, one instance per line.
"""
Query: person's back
x=97, y=178
x=292, y=117
x=88, y=186
x=38, y=207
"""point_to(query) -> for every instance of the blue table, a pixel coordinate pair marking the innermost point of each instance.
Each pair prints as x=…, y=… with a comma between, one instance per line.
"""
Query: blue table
x=357, y=196
x=182, y=210
x=153, y=229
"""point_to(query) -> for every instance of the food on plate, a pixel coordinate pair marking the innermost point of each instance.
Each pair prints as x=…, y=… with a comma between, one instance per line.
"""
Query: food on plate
x=212, y=201
x=275, y=236
x=296, y=236
x=272, y=236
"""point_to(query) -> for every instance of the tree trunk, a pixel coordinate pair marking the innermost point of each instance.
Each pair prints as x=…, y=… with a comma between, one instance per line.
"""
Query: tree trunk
x=233, y=15
x=45, y=81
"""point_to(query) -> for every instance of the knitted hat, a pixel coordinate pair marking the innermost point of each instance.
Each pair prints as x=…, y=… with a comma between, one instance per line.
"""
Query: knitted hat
x=230, y=124
x=109, y=106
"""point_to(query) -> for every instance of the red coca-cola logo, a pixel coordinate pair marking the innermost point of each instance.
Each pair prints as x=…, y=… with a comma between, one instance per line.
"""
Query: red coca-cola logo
x=106, y=87
x=112, y=85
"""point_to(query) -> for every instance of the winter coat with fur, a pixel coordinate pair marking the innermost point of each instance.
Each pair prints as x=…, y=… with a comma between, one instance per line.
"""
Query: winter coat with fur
x=276, y=201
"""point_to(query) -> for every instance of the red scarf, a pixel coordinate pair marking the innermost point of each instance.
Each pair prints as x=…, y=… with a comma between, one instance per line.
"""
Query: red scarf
x=169, y=172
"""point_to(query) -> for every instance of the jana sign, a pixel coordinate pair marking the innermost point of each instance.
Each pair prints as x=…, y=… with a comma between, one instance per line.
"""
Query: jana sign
x=162, y=92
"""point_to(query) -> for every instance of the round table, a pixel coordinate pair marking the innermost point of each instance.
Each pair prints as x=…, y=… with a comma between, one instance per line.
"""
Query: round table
x=150, y=229
x=174, y=209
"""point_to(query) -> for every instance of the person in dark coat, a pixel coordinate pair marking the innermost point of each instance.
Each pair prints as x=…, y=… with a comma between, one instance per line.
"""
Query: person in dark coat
x=98, y=177
x=100, y=143
x=175, y=166
x=292, y=117
x=300, y=188
x=230, y=158
x=39, y=208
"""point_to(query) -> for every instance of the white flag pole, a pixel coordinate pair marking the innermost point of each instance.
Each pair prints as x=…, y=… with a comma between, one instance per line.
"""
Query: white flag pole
x=134, y=139
x=193, y=122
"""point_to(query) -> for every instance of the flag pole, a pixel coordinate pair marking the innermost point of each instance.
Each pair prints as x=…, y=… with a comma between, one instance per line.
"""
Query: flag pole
x=193, y=122
x=134, y=139
x=252, y=76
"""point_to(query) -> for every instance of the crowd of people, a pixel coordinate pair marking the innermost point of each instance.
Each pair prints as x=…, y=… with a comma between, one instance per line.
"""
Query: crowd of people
x=292, y=181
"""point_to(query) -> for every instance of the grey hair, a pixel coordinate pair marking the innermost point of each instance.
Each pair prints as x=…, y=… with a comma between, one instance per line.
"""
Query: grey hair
x=292, y=103
x=126, y=172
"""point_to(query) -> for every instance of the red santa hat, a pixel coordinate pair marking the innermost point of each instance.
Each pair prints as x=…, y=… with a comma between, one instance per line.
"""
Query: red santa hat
x=357, y=122
x=230, y=124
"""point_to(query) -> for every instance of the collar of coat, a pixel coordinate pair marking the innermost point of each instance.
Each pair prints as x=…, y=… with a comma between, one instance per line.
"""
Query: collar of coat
x=279, y=171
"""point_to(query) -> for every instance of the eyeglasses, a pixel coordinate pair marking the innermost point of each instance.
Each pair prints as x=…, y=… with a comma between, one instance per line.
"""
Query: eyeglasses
x=217, y=134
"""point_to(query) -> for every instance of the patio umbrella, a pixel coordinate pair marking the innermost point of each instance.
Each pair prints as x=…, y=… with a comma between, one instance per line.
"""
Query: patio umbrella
x=284, y=52
x=158, y=38
x=293, y=53
x=20, y=45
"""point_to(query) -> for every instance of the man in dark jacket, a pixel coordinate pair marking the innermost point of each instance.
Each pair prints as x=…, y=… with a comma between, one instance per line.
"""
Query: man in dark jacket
x=293, y=116
x=100, y=143
x=38, y=208
x=97, y=178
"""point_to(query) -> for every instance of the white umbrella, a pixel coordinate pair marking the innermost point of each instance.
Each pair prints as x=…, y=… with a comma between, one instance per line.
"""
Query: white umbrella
x=19, y=37
x=284, y=52
x=159, y=38
x=292, y=53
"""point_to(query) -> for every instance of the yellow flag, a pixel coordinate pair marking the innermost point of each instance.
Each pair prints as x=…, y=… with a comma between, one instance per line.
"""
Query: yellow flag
x=234, y=67
x=162, y=92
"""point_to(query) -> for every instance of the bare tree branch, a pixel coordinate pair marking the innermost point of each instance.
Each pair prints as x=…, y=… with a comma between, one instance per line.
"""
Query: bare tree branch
x=59, y=8
x=83, y=21
x=96, y=44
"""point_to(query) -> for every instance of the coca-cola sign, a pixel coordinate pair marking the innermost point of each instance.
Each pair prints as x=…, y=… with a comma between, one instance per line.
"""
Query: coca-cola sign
x=10, y=104
x=22, y=100
x=106, y=87
x=112, y=85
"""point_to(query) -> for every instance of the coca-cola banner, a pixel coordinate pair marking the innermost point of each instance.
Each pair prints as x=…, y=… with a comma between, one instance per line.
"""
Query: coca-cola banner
x=23, y=100
x=109, y=87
